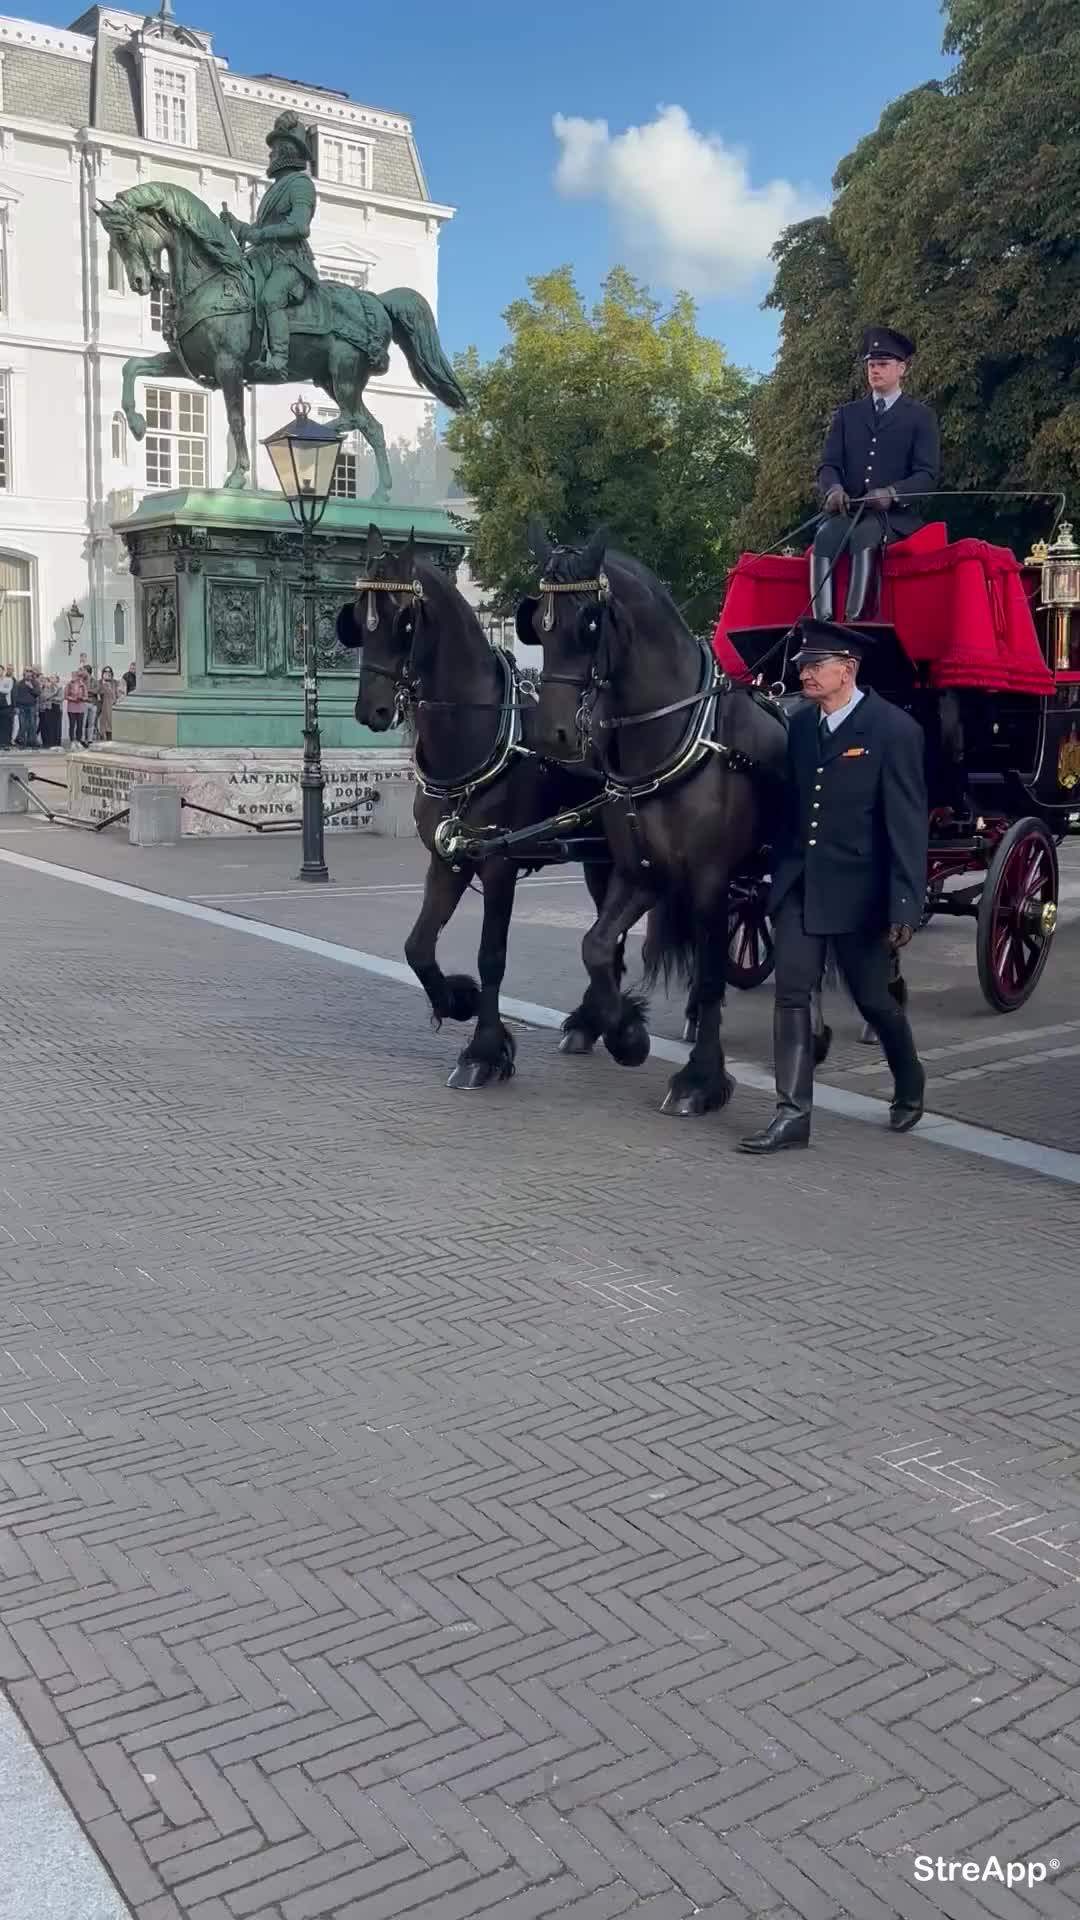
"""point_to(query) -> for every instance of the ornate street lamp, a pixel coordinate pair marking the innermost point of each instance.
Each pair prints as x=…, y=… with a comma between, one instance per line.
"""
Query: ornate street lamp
x=75, y=617
x=1061, y=591
x=304, y=455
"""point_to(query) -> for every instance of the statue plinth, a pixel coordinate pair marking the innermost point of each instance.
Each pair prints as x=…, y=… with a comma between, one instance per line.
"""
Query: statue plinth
x=220, y=606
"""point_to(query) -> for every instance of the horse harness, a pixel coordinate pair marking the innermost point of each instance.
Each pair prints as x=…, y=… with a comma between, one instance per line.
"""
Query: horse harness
x=458, y=793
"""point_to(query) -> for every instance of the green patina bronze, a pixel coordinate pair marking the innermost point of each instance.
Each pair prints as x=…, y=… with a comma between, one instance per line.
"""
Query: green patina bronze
x=221, y=606
x=245, y=305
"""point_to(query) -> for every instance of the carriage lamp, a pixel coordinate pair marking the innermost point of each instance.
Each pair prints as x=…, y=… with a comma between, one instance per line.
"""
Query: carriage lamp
x=1061, y=591
x=75, y=618
x=304, y=456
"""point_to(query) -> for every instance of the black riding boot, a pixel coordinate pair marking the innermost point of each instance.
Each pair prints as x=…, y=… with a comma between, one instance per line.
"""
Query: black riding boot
x=793, y=1051
x=909, y=1079
x=821, y=585
x=859, y=582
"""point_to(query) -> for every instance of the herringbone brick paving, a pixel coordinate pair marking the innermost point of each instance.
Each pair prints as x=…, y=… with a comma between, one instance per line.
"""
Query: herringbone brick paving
x=513, y=1506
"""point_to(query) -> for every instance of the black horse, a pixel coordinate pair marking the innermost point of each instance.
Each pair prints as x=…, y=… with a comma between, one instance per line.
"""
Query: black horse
x=426, y=659
x=695, y=775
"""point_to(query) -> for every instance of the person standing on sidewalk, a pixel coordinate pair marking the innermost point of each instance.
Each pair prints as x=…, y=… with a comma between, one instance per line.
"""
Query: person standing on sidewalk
x=850, y=870
x=7, y=709
x=75, y=702
x=25, y=697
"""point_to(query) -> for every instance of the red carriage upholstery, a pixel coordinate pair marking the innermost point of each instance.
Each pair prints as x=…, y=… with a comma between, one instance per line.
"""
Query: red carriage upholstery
x=961, y=612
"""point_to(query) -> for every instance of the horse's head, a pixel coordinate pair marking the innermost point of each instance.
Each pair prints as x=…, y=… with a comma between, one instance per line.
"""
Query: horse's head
x=564, y=618
x=380, y=624
x=133, y=234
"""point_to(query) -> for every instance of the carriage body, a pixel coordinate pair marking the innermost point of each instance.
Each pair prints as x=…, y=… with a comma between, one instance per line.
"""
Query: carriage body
x=1003, y=760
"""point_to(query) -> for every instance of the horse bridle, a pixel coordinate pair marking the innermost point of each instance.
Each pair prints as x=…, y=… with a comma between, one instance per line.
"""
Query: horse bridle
x=404, y=678
x=595, y=682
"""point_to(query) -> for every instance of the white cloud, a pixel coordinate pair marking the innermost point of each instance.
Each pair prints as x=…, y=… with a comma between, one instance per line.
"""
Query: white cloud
x=683, y=200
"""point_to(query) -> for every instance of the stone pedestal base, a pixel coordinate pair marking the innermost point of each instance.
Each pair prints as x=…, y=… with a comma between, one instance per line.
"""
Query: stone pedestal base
x=366, y=791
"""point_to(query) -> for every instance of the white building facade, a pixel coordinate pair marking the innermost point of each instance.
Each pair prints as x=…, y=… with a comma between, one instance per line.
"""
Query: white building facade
x=114, y=100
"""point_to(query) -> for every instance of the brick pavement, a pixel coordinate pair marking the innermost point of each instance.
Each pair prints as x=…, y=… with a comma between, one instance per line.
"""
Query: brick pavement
x=1019, y=1073
x=511, y=1506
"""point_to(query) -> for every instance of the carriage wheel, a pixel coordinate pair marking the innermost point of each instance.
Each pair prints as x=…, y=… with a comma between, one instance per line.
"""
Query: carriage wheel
x=1017, y=915
x=750, y=944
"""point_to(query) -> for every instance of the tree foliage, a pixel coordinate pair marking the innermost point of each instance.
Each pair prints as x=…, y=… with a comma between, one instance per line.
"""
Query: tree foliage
x=625, y=415
x=957, y=220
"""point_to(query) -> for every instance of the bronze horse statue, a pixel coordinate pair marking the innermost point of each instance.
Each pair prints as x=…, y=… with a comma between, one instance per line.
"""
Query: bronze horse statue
x=338, y=339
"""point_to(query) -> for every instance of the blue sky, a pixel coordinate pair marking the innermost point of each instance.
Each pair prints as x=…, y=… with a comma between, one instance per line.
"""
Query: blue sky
x=791, y=84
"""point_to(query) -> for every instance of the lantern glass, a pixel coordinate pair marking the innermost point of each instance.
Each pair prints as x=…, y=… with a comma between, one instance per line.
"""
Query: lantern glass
x=304, y=457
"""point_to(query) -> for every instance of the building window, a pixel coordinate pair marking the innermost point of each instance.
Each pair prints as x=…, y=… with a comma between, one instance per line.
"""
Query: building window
x=158, y=298
x=119, y=625
x=343, y=485
x=117, y=275
x=16, y=623
x=5, y=434
x=172, y=118
x=176, y=438
x=119, y=438
x=345, y=162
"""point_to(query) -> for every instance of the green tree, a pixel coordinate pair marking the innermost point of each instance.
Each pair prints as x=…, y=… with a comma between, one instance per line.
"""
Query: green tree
x=625, y=415
x=956, y=220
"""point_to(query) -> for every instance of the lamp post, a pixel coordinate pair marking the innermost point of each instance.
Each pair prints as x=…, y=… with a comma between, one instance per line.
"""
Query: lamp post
x=1061, y=592
x=75, y=617
x=304, y=457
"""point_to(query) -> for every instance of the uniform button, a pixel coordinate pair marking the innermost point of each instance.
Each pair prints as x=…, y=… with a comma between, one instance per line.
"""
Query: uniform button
x=811, y=843
x=819, y=769
x=817, y=789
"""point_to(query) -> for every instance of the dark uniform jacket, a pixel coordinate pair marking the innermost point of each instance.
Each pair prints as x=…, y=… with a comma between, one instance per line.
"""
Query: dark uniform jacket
x=901, y=449
x=856, y=833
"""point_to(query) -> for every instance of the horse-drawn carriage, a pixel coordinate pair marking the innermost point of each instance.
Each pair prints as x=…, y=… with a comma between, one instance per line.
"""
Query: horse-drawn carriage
x=658, y=763
x=979, y=647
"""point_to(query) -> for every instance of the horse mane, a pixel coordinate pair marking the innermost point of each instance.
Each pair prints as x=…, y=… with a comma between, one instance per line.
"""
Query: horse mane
x=565, y=565
x=446, y=594
x=190, y=213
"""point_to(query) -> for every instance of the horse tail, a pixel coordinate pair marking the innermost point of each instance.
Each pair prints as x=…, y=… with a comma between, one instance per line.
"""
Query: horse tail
x=412, y=324
x=670, y=949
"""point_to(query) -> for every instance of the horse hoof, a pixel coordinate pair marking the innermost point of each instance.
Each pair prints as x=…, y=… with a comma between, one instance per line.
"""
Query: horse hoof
x=685, y=1106
x=689, y=1032
x=576, y=1040
x=470, y=1075
x=868, y=1038
x=690, y=1103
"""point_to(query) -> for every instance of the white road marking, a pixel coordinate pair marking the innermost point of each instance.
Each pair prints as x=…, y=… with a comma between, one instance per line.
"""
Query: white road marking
x=935, y=1130
x=1004, y=1037
x=335, y=892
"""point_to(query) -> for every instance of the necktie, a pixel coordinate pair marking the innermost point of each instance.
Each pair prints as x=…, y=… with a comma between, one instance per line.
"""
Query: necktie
x=879, y=407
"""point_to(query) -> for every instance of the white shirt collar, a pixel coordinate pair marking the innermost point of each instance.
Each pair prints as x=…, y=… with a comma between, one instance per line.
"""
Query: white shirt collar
x=890, y=399
x=837, y=718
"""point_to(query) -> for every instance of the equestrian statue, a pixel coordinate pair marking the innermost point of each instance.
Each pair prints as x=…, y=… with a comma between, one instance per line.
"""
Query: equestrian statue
x=245, y=306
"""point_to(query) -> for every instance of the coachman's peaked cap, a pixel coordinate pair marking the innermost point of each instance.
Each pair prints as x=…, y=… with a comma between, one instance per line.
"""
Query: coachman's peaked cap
x=827, y=640
x=878, y=341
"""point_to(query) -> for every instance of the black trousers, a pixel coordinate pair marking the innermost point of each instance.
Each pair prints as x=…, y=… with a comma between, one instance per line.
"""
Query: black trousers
x=865, y=962
x=872, y=530
x=6, y=718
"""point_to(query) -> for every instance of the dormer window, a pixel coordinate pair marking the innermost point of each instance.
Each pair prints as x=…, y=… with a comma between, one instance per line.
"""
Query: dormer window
x=170, y=93
x=345, y=163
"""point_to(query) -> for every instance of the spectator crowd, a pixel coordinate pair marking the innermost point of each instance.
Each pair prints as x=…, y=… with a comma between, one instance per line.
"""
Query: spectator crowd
x=43, y=710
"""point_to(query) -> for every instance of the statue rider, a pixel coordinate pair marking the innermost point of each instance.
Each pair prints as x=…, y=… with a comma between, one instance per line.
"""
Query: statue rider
x=277, y=241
